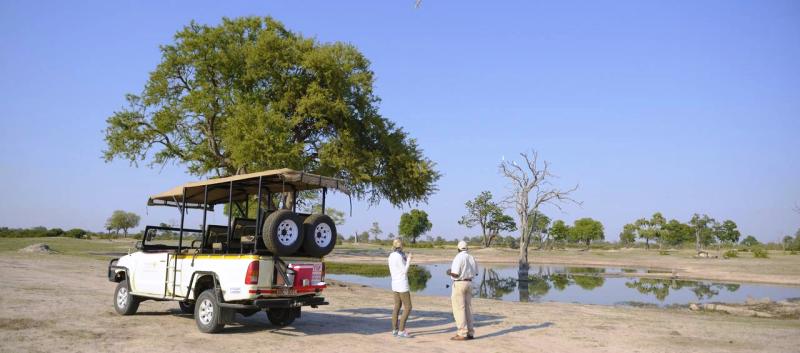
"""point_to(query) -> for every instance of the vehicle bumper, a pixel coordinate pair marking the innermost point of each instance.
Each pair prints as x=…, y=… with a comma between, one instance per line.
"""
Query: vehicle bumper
x=267, y=303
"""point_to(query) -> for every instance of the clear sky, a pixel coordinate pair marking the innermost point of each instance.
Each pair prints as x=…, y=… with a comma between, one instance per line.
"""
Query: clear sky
x=671, y=106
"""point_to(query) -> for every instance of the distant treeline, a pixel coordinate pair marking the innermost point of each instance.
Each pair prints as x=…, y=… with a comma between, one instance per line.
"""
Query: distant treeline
x=39, y=232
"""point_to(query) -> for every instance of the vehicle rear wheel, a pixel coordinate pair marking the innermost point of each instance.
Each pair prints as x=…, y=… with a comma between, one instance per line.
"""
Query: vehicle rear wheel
x=186, y=307
x=320, y=235
x=207, y=312
x=125, y=303
x=282, y=232
x=281, y=316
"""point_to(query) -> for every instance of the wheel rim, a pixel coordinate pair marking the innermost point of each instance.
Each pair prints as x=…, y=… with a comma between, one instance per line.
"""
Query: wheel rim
x=287, y=232
x=122, y=297
x=323, y=235
x=206, y=313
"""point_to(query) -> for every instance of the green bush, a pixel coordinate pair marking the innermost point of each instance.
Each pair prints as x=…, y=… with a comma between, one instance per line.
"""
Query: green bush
x=76, y=233
x=760, y=253
x=730, y=253
x=663, y=252
x=793, y=252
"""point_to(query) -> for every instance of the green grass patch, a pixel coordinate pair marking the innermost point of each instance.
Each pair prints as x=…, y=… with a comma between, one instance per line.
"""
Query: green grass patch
x=367, y=270
x=71, y=246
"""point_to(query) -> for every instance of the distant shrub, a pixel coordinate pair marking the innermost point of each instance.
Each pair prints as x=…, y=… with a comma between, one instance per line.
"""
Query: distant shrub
x=760, y=253
x=793, y=252
x=730, y=253
x=55, y=232
x=77, y=233
x=663, y=252
x=424, y=245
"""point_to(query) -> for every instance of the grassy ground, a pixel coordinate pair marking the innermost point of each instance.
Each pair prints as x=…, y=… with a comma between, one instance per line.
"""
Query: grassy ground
x=99, y=249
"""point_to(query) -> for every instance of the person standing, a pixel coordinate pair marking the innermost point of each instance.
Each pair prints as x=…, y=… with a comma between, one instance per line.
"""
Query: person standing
x=463, y=270
x=398, y=267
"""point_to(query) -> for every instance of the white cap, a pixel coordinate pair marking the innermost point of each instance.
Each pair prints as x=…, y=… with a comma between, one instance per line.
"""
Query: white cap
x=462, y=245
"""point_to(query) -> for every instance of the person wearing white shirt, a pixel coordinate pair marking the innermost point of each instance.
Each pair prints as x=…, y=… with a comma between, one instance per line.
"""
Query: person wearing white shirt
x=463, y=270
x=398, y=267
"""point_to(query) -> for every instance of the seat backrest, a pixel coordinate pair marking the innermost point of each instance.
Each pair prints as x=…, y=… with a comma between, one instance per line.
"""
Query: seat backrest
x=216, y=234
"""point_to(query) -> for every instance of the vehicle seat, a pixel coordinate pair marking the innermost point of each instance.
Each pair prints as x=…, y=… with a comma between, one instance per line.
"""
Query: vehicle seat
x=216, y=234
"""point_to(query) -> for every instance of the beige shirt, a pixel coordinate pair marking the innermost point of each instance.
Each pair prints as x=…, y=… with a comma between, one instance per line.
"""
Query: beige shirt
x=464, y=265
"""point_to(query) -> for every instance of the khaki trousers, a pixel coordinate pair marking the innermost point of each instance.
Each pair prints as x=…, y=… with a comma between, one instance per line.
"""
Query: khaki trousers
x=462, y=307
x=401, y=300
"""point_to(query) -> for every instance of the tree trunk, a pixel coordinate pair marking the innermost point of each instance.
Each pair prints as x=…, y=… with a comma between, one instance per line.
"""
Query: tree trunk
x=647, y=243
x=697, y=241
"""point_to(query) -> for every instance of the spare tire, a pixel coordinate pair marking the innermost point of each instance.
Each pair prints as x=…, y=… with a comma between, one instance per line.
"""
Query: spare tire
x=320, y=235
x=283, y=233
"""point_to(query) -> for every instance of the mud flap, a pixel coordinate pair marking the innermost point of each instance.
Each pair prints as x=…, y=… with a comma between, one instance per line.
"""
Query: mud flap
x=227, y=316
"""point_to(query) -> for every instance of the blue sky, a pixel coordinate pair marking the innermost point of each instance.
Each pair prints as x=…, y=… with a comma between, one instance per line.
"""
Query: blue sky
x=678, y=107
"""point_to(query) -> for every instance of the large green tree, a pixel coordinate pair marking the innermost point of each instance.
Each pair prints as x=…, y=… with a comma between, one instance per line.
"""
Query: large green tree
x=728, y=232
x=559, y=231
x=121, y=220
x=628, y=235
x=488, y=215
x=585, y=230
x=249, y=94
x=413, y=224
x=703, y=228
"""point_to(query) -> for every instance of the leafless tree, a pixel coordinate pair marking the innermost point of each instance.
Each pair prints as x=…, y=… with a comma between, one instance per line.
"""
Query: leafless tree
x=530, y=189
x=797, y=207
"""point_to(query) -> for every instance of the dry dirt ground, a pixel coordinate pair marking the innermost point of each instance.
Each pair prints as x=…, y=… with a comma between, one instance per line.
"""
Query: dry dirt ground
x=64, y=303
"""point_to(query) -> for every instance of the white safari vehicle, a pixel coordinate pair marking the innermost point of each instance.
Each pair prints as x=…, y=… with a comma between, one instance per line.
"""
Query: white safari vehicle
x=265, y=258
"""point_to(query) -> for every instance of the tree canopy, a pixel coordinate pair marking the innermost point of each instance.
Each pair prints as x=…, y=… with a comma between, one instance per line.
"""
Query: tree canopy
x=487, y=214
x=250, y=94
x=413, y=224
x=121, y=220
x=586, y=229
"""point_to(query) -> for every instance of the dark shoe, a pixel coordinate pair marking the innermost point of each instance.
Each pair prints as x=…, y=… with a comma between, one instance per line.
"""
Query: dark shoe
x=470, y=337
x=458, y=338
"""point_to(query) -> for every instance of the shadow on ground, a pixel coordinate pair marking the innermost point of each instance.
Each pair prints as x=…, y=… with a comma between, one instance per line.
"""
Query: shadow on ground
x=363, y=321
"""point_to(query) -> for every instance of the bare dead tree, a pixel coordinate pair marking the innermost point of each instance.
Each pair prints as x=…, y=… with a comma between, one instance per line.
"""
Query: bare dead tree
x=531, y=178
x=797, y=207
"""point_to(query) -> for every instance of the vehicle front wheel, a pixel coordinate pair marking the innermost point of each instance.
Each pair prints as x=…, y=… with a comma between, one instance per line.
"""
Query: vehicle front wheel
x=186, y=307
x=207, y=312
x=125, y=303
x=281, y=317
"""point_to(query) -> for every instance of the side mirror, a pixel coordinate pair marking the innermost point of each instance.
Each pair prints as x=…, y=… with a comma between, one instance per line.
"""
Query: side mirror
x=138, y=245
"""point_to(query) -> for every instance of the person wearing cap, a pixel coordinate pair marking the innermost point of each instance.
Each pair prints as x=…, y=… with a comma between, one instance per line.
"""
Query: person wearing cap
x=463, y=270
x=398, y=267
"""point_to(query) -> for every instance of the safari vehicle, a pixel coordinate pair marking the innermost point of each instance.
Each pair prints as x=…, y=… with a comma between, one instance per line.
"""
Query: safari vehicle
x=270, y=261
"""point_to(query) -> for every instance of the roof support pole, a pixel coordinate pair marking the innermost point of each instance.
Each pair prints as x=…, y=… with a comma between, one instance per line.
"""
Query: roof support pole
x=230, y=215
x=258, y=217
x=324, y=191
x=205, y=211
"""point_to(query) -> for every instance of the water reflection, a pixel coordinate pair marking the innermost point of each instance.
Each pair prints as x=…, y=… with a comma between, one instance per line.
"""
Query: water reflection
x=604, y=286
x=660, y=288
x=418, y=278
x=536, y=286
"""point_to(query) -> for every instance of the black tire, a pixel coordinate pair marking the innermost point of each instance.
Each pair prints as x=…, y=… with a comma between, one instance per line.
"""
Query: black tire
x=125, y=303
x=281, y=316
x=207, y=312
x=186, y=307
x=283, y=232
x=320, y=235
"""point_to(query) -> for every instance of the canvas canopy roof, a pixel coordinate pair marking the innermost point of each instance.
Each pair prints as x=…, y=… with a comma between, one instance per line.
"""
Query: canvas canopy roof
x=278, y=180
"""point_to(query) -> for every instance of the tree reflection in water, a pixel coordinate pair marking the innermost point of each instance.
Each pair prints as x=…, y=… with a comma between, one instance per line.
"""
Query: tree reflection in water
x=418, y=277
x=535, y=286
x=660, y=288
